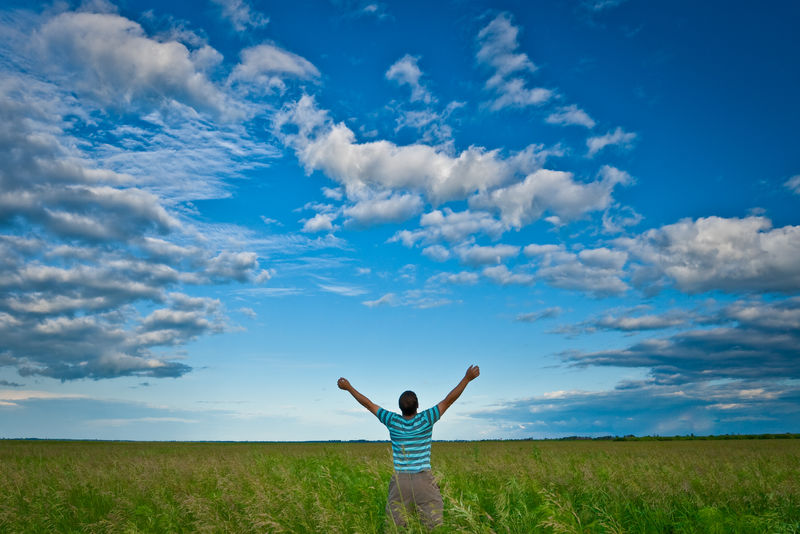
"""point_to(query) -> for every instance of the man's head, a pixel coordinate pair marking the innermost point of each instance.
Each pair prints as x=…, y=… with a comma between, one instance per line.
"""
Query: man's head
x=408, y=403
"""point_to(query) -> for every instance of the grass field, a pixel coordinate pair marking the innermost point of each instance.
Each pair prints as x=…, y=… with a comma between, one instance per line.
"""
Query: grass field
x=523, y=486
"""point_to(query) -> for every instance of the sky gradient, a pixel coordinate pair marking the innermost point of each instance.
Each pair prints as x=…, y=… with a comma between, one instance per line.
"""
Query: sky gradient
x=210, y=211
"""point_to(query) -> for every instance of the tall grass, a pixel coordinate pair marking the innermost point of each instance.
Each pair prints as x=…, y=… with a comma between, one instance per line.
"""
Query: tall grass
x=693, y=486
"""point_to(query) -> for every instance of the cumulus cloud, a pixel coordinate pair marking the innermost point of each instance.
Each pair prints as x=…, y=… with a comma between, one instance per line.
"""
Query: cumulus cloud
x=498, y=49
x=567, y=115
x=436, y=252
x=385, y=182
x=232, y=265
x=715, y=253
x=618, y=137
x=476, y=255
x=501, y=274
x=450, y=226
x=406, y=71
x=597, y=271
x=383, y=207
x=551, y=191
x=321, y=222
x=332, y=149
x=267, y=65
x=111, y=59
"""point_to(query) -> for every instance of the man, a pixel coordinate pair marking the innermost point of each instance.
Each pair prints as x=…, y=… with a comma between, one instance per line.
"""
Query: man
x=412, y=485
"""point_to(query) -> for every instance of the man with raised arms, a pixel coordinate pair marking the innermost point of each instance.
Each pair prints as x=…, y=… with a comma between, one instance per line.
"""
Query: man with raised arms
x=412, y=486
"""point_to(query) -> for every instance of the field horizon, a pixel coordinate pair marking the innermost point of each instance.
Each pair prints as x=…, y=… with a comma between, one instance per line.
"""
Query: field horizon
x=677, y=437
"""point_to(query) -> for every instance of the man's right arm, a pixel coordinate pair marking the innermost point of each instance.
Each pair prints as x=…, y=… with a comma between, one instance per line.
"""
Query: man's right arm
x=473, y=371
x=344, y=384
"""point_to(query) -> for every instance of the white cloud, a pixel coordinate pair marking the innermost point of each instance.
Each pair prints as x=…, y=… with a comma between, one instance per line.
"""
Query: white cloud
x=793, y=184
x=498, y=49
x=603, y=258
x=632, y=320
x=782, y=315
x=431, y=125
x=382, y=164
x=384, y=207
x=321, y=222
x=241, y=14
x=498, y=45
x=714, y=253
x=233, y=265
x=483, y=255
x=333, y=193
x=436, y=252
x=450, y=226
x=553, y=191
x=538, y=250
x=405, y=71
x=640, y=322
x=567, y=115
x=464, y=277
x=514, y=93
x=618, y=137
x=617, y=218
x=600, y=5
x=503, y=276
x=110, y=58
x=599, y=272
x=249, y=312
x=388, y=299
x=266, y=65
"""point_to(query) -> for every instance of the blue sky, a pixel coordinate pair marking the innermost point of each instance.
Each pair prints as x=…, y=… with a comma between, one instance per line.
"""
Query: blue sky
x=209, y=211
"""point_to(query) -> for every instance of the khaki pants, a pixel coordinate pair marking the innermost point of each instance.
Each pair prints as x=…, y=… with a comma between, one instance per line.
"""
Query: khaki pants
x=415, y=491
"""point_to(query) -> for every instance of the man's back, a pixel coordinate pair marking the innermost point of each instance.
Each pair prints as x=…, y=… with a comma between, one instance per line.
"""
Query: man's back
x=411, y=438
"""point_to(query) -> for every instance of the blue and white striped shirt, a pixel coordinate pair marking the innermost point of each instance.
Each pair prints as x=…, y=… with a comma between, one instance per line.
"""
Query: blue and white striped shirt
x=411, y=438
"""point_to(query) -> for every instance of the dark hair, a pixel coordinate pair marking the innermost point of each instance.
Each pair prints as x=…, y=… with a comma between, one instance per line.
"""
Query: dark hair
x=408, y=403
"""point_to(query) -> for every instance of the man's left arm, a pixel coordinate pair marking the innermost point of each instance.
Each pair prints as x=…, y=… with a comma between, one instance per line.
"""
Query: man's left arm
x=473, y=371
x=344, y=384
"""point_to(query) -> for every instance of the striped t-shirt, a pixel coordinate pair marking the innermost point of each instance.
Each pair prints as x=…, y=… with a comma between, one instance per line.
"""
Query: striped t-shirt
x=411, y=438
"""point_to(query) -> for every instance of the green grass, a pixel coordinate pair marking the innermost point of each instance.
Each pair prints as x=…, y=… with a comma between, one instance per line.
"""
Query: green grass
x=524, y=486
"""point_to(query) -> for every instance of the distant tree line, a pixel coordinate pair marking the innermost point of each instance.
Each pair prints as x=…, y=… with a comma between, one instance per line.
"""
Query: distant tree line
x=689, y=437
